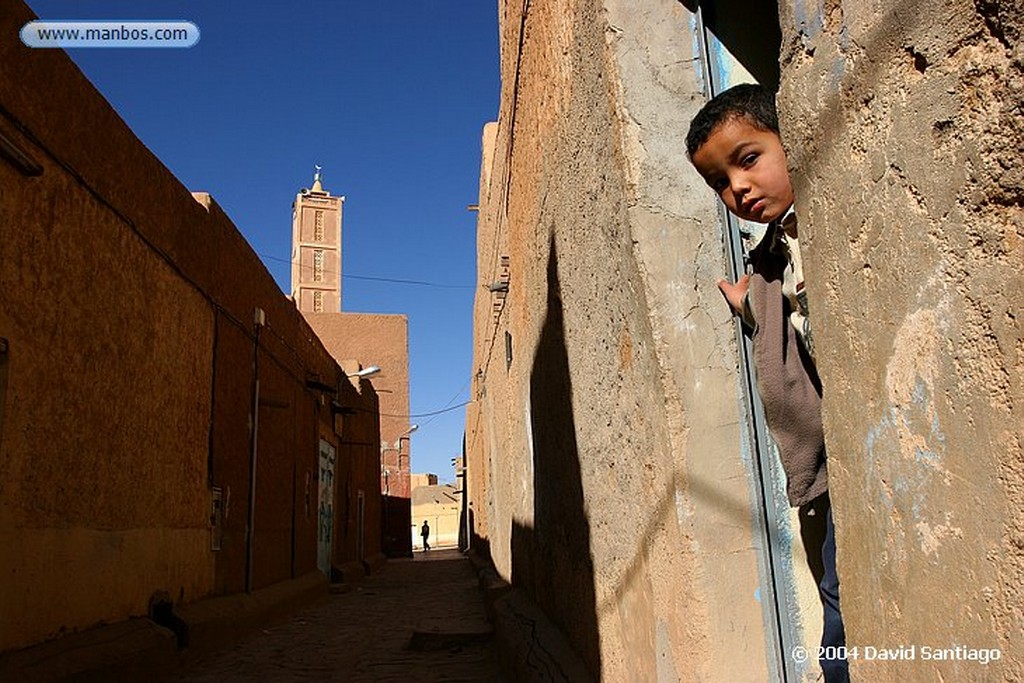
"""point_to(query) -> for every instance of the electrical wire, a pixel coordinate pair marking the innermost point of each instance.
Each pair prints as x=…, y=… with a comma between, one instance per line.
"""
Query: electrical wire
x=421, y=283
x=457, y=394
x=433, y=412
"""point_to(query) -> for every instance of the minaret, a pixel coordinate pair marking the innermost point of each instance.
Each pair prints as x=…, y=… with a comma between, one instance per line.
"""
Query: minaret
x=316, y=249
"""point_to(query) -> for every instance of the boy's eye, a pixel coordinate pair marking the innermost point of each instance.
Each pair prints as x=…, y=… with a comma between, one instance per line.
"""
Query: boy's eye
x=748, y=160
x=718, y=184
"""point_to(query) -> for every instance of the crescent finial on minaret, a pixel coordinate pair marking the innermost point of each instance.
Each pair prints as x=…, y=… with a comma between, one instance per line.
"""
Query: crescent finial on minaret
x=317, y=185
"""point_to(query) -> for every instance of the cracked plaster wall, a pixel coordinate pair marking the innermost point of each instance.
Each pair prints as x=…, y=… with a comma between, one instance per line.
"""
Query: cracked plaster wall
x=905, y=126
x=608, y=231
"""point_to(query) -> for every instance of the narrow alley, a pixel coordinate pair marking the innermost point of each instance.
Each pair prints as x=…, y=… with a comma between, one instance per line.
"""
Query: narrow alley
x=417, y=619
x=677, y=315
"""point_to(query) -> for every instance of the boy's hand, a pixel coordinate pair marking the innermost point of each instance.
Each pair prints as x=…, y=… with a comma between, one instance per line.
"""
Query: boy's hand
x=734, y=293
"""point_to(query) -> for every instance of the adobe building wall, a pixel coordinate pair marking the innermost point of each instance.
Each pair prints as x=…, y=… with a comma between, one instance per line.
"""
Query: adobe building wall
x=126, y=392
x=439, y=505
x=424, y=479
x=606, y=462
x=905, y=126
x=382, y=340
x=479, y=446
x=358, y=475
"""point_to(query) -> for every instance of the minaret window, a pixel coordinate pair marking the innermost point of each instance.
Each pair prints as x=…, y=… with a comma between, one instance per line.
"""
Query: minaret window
x=318, y=265
x=318, y=301
x=318, y=226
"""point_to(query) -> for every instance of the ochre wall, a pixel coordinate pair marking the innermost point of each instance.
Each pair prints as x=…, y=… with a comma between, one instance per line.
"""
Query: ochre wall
x=439, y=505
x=607, y=470
x=905, y=126
x=127, y=386
x=358, y=470
x=382, y=340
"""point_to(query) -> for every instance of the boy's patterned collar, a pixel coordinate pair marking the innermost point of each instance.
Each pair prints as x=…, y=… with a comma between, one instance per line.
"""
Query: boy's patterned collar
x=780, y=228
x=787, y=221
x=773, y=231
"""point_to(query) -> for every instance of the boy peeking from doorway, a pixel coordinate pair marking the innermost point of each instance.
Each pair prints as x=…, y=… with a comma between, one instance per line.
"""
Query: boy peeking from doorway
x=734, y=144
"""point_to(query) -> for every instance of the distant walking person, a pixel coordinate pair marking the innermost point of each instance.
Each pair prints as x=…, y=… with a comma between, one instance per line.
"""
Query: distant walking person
x=425, y=533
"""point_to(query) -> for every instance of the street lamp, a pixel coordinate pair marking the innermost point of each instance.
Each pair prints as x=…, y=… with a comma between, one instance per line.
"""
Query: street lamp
x=365, y=372
x=398, y=442
x=406, y=433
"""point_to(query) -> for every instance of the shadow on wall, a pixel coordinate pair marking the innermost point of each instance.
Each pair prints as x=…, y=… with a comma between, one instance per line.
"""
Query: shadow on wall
x=552, y=561
x=3, y=383
x=480, y=544
x=812, y=534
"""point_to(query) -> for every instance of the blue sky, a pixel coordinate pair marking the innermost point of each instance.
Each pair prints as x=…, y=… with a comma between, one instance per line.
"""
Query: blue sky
x=402, y=91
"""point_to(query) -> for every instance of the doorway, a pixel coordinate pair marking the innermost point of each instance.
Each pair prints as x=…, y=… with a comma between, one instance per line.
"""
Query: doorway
x=740, y=43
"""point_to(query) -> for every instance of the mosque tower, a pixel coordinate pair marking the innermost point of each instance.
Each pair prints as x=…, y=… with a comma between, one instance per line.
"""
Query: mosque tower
x=316, y=249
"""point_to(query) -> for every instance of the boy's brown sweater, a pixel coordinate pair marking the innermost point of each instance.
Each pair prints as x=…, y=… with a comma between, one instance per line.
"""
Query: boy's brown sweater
x=786, y=378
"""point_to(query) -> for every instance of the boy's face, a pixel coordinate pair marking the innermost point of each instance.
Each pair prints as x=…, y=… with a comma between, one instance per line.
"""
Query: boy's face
x=746, y=166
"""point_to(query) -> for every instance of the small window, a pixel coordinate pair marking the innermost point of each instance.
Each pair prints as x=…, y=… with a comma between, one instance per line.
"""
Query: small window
x=318, y=301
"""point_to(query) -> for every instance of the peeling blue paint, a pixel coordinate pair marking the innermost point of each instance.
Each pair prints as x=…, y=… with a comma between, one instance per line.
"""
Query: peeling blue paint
x=695, y=50
x=919, y=391
x=809, y=22
x=836, y=73
x=884, y=425
x=888, y=449
x=757, y=594
x=936, y=432
x=844, y=38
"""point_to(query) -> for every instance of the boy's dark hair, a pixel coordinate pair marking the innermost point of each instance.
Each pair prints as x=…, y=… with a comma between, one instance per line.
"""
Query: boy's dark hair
x=750, y=101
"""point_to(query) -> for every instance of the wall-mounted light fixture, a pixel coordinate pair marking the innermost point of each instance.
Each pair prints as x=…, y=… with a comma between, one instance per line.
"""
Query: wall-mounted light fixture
x=398, y=442
x=410, y=430
x=366, y=372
